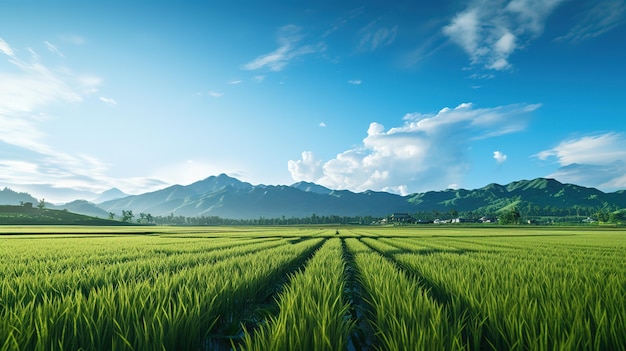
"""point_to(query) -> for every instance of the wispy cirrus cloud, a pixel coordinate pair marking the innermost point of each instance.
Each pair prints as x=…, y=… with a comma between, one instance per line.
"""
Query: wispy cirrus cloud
x=5, y=48
x=289, y=39
x=595, y=149
x=374, y=36
x=429, y=47
x=341, y=22
x=210, y=93
x=597, y=20
x=62, y=177
x=355, y=82
x=594, y=160
x=24, y=95
x=73, y=39
x=53, y=48
x=27, y=161
x=108, y=100
x=490, y=31
x=427, y=152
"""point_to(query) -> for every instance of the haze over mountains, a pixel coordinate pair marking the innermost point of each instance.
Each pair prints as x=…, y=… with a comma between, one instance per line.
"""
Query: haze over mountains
x=228, y=197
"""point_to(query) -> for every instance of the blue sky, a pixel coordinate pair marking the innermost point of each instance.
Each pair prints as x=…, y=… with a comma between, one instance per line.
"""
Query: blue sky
x=401, y=96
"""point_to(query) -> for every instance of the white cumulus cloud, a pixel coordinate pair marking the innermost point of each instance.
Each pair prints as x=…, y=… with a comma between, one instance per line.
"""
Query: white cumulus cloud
x=428, y=151
x=499, y=156
x=306, y=168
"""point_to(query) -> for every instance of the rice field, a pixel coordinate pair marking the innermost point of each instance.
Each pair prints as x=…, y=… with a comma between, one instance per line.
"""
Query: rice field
x=288, y=288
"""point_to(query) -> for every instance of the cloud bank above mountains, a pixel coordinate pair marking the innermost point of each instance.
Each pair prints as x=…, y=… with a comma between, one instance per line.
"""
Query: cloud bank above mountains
x=429, y=151
x=596, y=159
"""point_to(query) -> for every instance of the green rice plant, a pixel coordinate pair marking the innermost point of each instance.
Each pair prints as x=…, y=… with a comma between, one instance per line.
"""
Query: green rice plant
x=103, y=268
x=536, y=296
x=313, y=308
x=402, y=314
x=171, y=302
x=422, y=288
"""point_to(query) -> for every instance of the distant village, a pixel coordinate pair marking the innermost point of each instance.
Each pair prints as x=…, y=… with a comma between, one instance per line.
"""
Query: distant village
x=405, y=218
x=400, y=218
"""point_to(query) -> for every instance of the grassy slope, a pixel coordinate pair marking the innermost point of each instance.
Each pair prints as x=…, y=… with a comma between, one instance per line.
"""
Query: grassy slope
x=22, y=215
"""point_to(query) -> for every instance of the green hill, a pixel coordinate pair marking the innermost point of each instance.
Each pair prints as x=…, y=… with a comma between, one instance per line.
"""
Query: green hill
x=539, y=195
x=29, y=215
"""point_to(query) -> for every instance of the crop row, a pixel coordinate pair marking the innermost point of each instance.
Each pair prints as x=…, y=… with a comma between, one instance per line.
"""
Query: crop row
x=151, y=307
x=313, y=308
x=530, y=297
x=327, y=292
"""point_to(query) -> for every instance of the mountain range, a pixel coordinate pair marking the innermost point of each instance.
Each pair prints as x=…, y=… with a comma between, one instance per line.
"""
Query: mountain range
x=229, y=197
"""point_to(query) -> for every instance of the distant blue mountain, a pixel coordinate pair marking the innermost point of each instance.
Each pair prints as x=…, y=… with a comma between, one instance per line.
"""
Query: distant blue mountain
x=229, y=197
x=10, y=197
x=82, y=207
x=111, y=194
x=311, y=187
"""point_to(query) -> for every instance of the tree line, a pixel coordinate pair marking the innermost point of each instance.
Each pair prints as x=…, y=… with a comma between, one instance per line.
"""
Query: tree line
x=514, y=215
x=216, y=220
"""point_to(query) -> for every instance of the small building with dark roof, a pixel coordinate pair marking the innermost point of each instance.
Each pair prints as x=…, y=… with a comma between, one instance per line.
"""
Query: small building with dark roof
x=401, y=217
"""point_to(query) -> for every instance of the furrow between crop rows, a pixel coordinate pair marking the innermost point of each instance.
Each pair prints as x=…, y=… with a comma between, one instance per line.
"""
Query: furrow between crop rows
x=175, y=310
x=254, y=312
x=526, y=298
x=401, y=313
x=48, y=277
x=316, y=288
x=313, y=308
x=362, y=337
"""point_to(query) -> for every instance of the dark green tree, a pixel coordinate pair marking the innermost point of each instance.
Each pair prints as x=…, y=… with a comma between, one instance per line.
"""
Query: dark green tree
x=510, y=217
x=603, y=215
x=454, y=213
x=616, y=217
x=127, y=216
